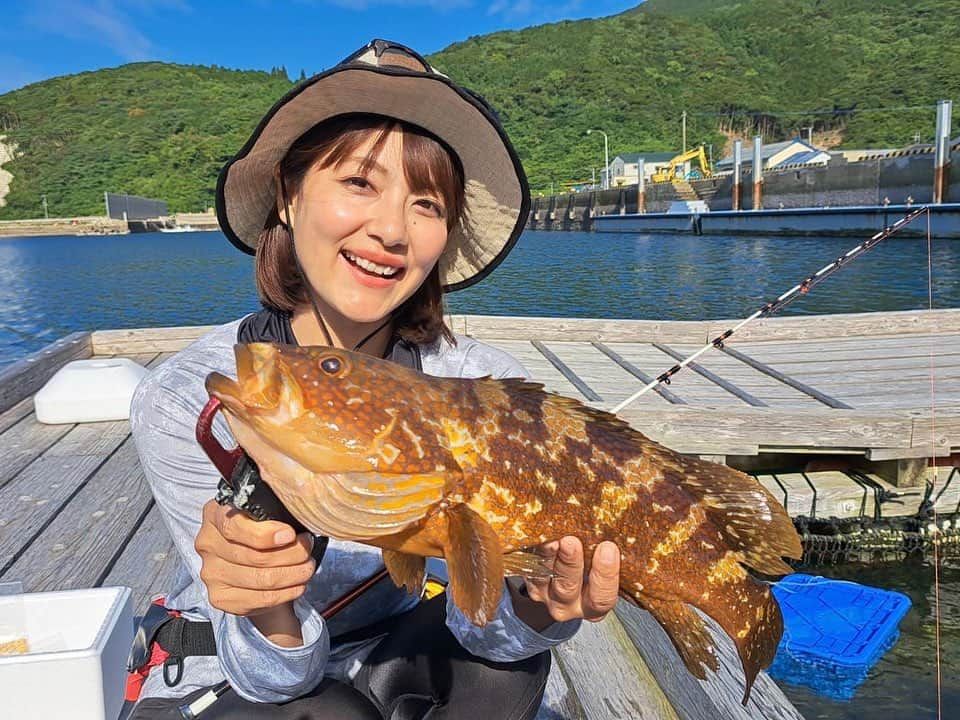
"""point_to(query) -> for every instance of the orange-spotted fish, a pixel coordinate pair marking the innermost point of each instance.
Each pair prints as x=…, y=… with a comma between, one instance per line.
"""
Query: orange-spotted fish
x=481, y=471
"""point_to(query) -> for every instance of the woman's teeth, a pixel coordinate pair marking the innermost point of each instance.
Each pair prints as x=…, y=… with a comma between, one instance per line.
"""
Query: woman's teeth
x=382, y=270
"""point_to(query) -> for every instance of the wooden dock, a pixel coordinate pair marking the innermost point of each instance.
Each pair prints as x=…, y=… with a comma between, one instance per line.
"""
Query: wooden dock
x=75, y=510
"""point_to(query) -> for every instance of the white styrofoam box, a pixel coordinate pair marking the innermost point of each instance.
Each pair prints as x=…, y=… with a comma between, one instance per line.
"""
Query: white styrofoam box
x=90, y=390
x=83, y=674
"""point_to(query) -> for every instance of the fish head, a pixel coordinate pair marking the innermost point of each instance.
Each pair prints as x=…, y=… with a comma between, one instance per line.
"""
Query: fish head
x=328, y=409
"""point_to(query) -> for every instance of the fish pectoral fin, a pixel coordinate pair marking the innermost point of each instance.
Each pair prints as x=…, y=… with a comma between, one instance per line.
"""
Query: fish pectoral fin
x=526, y=563
x=406, y=570
x=474, y=564
x=687, y=632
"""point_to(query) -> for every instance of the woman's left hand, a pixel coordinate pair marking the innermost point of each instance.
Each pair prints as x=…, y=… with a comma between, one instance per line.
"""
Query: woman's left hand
x=569, y=595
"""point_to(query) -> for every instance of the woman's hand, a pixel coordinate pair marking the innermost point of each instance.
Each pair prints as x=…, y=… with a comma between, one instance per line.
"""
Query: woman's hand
x=255, y=569
x=568, y=595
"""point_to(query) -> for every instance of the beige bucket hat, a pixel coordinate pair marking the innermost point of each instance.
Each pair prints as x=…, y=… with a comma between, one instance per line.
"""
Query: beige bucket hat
x=388, y=79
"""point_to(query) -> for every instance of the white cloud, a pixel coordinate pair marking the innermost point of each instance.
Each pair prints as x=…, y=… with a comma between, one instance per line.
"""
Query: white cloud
x=102, y=22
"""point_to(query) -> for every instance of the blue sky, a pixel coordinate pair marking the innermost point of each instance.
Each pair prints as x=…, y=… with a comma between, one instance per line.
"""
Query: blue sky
x=40, y=39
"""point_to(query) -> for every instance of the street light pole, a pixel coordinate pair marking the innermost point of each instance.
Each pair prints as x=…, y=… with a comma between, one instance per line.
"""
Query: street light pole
x=683, y=119
x=606, y=158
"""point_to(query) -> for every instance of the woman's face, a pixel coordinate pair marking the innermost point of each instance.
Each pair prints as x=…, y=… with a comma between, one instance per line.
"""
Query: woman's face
x=366, y=241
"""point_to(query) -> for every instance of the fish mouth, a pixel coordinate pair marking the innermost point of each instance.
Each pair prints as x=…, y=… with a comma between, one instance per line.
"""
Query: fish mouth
x=262, y=386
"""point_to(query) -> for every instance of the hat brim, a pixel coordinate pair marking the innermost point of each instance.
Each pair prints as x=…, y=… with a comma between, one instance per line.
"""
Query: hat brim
x=497, y=198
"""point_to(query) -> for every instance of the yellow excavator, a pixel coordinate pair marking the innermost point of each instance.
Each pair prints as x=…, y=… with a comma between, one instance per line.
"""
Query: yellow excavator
x=675, y=172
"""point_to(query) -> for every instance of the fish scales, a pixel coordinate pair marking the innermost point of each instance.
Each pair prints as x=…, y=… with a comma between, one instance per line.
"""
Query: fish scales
x=482, y=471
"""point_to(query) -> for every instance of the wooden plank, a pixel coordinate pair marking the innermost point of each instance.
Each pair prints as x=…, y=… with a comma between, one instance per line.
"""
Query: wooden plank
x=560, y=702
x=785, y=379
x=15, y=414
x=853, y=348
x=539, y=367
x=667, y=395
x=712, y=377
x=720, y=695
x=30, y=502
x=142, y=340
x=147, y=563
x=485, y=327
x=81, y=544
x=610, y=678
x=24, y=377
x=695, y=389
x=909, y=322
x=678, y=425
x=565, y=370
x=23, y=443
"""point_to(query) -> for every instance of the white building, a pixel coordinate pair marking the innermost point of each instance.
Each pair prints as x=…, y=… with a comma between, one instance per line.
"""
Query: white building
x=623, y=168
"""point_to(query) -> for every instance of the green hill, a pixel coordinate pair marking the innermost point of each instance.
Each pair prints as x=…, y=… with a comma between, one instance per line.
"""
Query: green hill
x=862, y=73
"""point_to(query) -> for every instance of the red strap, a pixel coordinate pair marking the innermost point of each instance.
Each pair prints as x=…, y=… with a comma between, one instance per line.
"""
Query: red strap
x=136, y=679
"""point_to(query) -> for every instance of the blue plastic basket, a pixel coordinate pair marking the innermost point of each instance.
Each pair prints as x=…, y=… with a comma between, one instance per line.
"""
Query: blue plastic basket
x=834, y=632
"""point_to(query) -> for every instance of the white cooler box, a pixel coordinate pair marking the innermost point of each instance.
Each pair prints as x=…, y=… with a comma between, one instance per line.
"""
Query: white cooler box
x=79, y=672
x=92, y=390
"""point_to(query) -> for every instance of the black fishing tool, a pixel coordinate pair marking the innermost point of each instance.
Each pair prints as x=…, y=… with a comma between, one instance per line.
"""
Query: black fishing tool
x=240, y=483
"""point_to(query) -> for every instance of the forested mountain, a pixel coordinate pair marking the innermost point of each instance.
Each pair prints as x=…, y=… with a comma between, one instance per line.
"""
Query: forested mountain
x=862, y=73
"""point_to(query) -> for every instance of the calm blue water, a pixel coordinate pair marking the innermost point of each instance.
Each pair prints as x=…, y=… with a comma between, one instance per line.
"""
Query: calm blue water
x=51, y=286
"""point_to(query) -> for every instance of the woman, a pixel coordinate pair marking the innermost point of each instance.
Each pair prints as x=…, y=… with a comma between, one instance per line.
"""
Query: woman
x=365, y=193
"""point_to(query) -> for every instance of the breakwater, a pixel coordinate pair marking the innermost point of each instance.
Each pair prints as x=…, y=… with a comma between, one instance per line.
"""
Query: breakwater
x=901, y=178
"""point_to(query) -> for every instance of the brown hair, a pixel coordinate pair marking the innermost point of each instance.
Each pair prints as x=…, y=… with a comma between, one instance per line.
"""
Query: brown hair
x=428, y=167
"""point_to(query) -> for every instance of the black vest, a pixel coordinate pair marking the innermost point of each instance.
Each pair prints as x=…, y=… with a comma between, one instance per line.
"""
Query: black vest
x=270, y=325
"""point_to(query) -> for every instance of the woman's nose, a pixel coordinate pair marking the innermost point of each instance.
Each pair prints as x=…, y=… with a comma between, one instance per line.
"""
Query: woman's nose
x=388, y=222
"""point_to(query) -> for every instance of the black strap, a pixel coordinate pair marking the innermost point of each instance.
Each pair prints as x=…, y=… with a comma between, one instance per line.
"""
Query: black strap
x=185, y=638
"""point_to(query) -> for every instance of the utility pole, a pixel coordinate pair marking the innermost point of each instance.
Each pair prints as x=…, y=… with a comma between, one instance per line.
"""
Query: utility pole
x=683, y=119
x=809, y=130
x=43, y=199
x=606, y=159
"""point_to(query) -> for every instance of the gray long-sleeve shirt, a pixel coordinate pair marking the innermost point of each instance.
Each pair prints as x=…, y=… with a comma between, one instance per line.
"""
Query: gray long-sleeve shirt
x=163, y=417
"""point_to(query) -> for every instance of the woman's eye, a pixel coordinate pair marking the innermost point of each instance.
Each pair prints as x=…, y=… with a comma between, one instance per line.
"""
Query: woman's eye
x=433, y=207
x=358, y=181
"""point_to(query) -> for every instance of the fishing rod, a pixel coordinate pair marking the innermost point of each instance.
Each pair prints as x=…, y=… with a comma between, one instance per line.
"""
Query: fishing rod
x=801, y=288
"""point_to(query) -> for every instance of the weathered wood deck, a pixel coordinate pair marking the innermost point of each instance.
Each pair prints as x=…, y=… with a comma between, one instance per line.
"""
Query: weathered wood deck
x=75, y=510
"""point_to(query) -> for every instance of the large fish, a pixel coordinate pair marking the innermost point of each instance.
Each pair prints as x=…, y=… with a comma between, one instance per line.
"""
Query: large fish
x=481, y=471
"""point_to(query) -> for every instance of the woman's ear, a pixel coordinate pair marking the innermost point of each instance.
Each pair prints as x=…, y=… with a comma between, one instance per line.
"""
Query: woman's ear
x=282, y=212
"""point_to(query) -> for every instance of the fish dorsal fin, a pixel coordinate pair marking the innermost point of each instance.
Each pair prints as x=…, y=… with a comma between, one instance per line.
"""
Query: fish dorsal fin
x=406, y=570
x=474, y=564
x=535, y=393
x=746, y=514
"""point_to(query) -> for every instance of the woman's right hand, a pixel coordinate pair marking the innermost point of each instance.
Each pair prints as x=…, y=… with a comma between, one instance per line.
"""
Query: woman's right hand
x=252, y=568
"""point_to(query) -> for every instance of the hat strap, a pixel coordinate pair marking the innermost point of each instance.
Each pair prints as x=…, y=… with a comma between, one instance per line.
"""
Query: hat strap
x=306, y=283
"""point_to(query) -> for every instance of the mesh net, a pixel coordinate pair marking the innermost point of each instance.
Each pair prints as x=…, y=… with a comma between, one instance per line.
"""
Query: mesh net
x=882, y=538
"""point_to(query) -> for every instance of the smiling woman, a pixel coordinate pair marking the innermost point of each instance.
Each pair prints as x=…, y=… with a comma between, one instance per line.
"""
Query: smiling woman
x=365, y=194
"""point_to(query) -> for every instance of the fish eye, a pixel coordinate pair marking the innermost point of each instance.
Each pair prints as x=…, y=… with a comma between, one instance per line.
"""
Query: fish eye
x=330, y=365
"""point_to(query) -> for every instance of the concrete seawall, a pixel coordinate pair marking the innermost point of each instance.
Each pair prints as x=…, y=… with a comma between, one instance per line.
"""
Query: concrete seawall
x=97, y=225
x=899, y=179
